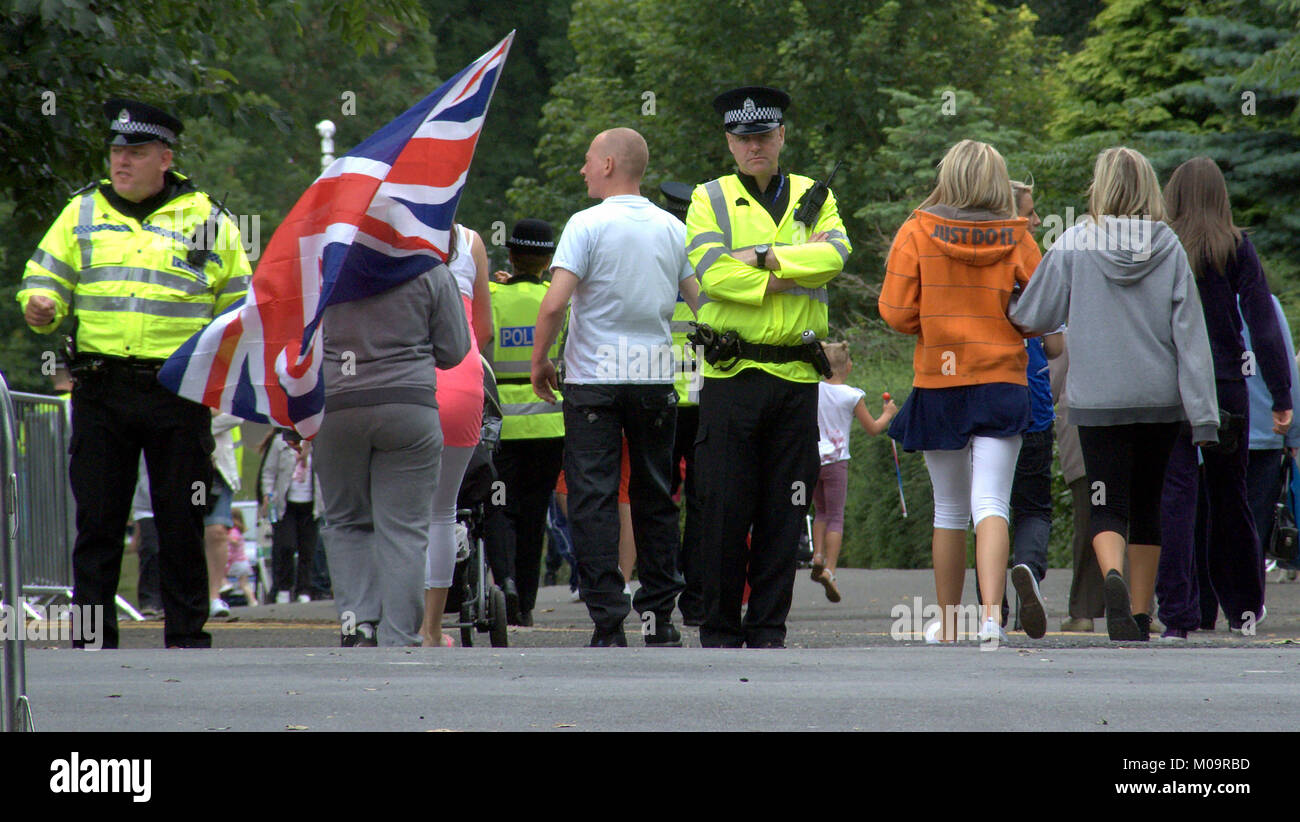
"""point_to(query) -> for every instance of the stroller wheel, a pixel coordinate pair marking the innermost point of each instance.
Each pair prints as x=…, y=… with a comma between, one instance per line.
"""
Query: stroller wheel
x=467, y=618
x=497, y=617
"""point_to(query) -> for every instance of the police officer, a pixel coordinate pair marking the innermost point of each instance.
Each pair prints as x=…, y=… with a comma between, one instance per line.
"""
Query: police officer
x=763, y=283
x=532, y=431
x=142, y=261
x=677, y=199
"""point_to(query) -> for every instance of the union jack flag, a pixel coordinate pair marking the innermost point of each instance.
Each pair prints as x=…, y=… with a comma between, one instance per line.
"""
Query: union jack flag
x=378, y=216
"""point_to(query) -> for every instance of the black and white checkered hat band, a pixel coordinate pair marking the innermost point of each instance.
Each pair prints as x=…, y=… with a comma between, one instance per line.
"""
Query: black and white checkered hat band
x=532, y=243
x=144, y=128
x=753, y=115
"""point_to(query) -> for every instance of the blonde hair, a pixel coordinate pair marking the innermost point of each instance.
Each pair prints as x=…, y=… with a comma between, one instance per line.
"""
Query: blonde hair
x=1124, y=185
x=837, y=354
x=973, y=175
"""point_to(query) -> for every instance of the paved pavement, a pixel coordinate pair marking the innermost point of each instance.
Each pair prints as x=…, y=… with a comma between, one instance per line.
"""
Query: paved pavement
x=279, y=667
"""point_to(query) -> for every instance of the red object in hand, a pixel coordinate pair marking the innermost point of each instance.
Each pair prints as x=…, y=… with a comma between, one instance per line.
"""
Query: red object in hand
x=885, y=396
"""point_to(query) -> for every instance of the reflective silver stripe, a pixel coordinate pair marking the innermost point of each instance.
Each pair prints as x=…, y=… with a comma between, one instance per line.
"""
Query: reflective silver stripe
x=41, y=281
x=710, y=257
x=155, y=308
x=166, y=232
x=840, y=247
x=704, y=298
x=524, y=409
x=513, y=367
x=703, y=238
x=836, y=234
x=719, y=203
x=818, y=294
x=54, y=265
x=144, y=276
x=85, y=216
x=680, y=326
x=236, y=284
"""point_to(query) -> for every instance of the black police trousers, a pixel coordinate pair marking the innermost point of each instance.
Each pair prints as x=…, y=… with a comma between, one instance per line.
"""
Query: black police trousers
x=116, y=413
x=596, y=419
x=756, y=466
x=514, y=531
x=691, y=602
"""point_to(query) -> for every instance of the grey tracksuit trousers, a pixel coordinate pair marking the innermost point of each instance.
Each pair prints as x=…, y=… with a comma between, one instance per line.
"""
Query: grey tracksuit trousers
x=378, y=469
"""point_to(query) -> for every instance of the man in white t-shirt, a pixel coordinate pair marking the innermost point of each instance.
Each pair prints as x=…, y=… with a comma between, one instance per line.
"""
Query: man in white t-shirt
x=623, y=262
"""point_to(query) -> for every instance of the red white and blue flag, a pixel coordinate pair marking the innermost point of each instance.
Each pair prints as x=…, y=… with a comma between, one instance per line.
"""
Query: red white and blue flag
x=377, y=217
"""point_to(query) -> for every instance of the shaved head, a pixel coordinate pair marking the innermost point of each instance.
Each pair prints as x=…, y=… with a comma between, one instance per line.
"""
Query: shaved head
x=628, y=150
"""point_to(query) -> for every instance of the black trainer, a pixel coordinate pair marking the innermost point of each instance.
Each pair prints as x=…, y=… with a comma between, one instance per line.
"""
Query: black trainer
x=511, y=591
x=608, y=639
x=363, y=636
x=1144, y=625
x=1120, y=624
x=1032, y=613
x=666, y=635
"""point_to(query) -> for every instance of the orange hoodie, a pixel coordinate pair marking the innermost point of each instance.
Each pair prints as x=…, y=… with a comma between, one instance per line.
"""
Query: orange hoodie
x=949, y=282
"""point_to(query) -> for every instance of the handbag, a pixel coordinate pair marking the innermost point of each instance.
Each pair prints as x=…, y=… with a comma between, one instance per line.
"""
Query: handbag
x=1284, y=541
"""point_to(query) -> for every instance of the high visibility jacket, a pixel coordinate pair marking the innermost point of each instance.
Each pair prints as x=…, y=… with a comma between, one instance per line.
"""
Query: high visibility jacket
x=687, y=379
x=722, y=218
x=514, y=317
x=130, y=282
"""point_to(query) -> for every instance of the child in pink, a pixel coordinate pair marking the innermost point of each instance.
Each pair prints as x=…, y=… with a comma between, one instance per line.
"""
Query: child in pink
x=237, y=564
x=837, y=406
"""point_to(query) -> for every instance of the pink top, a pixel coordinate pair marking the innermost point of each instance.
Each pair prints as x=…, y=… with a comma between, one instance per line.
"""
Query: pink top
x=236, y=552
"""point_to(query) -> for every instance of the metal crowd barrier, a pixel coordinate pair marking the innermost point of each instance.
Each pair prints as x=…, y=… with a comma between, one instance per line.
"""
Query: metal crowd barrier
x=46, y=525
x=17, y=709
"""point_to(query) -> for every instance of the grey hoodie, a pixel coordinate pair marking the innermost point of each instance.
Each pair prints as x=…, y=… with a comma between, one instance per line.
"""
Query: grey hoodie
x=385, y=349
x=1139, y=351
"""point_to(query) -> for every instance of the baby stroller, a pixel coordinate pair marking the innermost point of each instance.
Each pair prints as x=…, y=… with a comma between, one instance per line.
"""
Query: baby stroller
x=482, y=606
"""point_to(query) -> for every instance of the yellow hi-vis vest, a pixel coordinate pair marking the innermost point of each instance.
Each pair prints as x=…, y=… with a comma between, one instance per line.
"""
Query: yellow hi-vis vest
x=687, y=376
x=733, y=296
x=514, y=317
x=131, y=283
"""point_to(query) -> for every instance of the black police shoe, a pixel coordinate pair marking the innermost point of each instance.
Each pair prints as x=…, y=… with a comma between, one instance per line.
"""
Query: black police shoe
x=549, y=580
x=608, y=639
x=526, y=619
x=666, y=635
x=766, y=643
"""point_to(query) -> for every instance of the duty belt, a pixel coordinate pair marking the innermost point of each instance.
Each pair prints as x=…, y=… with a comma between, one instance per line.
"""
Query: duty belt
x=728, y=347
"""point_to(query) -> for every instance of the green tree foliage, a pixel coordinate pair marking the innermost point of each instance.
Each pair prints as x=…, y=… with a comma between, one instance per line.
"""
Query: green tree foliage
x=1136, y=49
x=655, y=65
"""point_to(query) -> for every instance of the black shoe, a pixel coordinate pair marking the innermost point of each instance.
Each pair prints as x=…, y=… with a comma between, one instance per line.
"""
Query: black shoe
x=666, y=635
x=549, y=580
x=766, y=644
x=1120, y=624
x=526, y=619
x=363, y=636
x=1144, y=625
x=694, y=620
x=1032, y=613
x=608, y=639
x=512, y=601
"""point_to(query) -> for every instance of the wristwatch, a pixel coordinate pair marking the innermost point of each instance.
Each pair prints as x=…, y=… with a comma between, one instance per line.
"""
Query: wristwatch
x=761, y=252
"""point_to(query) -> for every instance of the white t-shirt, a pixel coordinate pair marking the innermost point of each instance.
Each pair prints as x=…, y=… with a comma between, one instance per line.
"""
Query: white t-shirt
x=462, y=267
x=629, y=256
x=835, y=404
x=300, y=484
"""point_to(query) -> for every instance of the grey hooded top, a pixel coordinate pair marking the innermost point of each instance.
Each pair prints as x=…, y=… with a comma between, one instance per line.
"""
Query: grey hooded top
x=1139, y=350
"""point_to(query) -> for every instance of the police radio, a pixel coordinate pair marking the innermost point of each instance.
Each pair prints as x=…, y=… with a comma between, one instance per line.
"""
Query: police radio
x=810, y=204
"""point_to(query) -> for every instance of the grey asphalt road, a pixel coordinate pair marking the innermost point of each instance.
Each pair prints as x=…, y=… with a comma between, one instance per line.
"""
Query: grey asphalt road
x=279, y=667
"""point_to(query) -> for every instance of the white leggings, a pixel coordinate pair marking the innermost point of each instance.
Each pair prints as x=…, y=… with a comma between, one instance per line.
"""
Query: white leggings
x=440, y=559
x=975, y=479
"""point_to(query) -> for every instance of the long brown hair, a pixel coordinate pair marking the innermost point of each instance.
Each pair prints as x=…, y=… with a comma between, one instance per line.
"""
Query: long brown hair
x=1197, y=199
